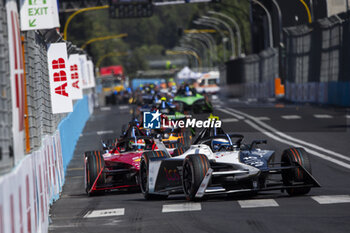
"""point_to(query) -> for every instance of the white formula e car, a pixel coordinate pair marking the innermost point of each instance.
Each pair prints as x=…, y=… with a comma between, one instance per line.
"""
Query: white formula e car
x=214, y=164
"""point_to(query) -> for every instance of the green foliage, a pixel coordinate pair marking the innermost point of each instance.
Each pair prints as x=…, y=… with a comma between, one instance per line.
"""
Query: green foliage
x=147, y=36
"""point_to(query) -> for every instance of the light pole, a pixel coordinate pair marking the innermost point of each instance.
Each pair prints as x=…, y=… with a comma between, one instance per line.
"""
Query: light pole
x=103, y=38
x=191, y=59
x=209, y=41
x=307, y=10
x=239, y=37
x=199, y=22
x=191, y=51
x=200, y=44
x=180, y=50
x=189, y=46
x=280, y=44
x=78, y=12
x=111, y=54
x=268, y=19
x=205, y=44
x=217, y=21
x=213, y=42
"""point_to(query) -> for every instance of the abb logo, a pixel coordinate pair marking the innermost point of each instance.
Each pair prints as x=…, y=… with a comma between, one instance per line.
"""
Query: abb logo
x=60, y=75
x=74, y=76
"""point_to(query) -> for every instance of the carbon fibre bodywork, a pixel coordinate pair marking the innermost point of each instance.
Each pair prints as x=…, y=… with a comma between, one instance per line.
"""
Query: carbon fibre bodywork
x=234, y=168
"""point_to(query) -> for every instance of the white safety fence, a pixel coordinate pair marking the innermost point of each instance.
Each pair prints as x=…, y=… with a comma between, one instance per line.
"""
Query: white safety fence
x=26, y=192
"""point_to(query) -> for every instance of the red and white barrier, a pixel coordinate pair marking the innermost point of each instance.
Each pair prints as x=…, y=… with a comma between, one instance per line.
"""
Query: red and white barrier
x=27, y=192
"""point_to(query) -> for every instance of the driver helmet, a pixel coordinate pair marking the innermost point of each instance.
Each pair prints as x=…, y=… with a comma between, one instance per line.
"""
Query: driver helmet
x=188, y=91
x=138, y=144
x=218, y=142
x=163, y=108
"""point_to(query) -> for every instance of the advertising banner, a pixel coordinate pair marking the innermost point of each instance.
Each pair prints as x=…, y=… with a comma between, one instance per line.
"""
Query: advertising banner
x=91, y=74
x=59, y=74
x=75, y=77
x=84, y=71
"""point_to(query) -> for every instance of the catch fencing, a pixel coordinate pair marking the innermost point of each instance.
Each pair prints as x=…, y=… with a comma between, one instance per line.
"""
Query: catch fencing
x=35, y=145
x=315, y=65
x=316, y=62
x=6, y=155
x=251, y=76
x=38, y=90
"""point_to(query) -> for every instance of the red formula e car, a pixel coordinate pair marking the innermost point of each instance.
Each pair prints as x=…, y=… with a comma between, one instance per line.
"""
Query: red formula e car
x=117, y=166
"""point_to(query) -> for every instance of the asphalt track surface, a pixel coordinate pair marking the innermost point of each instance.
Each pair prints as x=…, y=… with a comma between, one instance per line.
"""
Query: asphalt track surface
x=324, y=132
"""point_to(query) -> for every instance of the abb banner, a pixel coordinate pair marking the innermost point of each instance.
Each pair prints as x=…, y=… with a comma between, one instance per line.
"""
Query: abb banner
x=75, y=77
x=87, y=72
x=27, y=192
x=91, y=74
x=59, y=74
x=84, y=71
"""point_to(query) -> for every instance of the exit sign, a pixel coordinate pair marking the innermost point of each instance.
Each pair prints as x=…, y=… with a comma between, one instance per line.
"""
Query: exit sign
x=39, y=14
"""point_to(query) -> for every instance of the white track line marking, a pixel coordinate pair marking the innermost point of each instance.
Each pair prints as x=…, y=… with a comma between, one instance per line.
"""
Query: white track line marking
x=258, y=203
x=291, y=117
x=334, y=199
x=283, y=135
x=263, y=118
x=239, y=117
x=104, y=132
x=123, y=107
x=182, y=207
x=290, y=143
x=227, y=120
x=106, y=108
x=323, y=116
x=105, y=213
x=252, y=99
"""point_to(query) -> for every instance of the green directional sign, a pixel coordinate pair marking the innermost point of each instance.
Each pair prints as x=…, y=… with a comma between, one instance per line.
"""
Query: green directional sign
x=39, y=14
x=32, y=23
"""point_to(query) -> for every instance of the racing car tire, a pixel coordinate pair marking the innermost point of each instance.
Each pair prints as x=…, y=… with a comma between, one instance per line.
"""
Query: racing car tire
x=289, y=157
x=93, y=166
x=144, y=171
x=195, y=167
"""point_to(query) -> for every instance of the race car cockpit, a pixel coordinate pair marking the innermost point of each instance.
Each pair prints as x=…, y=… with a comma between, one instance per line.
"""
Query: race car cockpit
x=217, y=139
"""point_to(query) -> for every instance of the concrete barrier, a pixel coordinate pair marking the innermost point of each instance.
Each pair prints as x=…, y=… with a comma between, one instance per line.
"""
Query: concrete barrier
x=71, y=127
x=339, y=93
x=28, y=190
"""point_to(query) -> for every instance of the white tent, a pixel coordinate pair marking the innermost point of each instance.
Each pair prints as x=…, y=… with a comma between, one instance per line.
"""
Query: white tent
x=187, y=73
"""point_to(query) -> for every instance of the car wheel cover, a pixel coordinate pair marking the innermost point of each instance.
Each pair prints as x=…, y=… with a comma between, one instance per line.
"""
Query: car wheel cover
x=143, y=176
x=188, y=178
